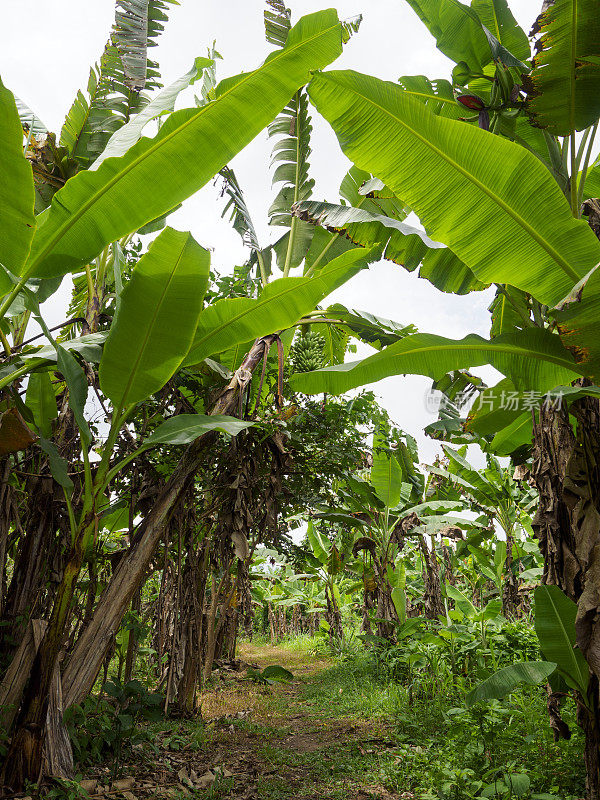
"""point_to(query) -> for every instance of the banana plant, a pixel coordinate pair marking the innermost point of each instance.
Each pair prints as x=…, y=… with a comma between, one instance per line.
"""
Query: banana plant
x=394, y=505
x=472, y=182
x=94, y=209
x=494, y=493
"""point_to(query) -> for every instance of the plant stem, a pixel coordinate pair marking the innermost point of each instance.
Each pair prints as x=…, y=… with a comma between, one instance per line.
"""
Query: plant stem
x=573, y=181
x=586, y=163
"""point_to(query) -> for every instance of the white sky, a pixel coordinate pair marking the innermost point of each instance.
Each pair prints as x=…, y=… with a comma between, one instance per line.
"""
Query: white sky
x=47, y=47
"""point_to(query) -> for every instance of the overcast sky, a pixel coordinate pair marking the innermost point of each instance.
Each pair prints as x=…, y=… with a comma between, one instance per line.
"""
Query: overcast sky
x=47, y=47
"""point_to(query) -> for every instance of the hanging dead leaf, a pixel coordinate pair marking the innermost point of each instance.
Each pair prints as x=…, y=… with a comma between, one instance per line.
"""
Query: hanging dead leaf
x=14, y=433
x=240, y=545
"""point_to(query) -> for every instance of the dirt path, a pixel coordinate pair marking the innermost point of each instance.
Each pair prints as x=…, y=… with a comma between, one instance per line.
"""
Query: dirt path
x=261, y=742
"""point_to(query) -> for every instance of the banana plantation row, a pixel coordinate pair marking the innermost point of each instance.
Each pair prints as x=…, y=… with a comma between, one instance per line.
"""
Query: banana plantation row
x=161, y=445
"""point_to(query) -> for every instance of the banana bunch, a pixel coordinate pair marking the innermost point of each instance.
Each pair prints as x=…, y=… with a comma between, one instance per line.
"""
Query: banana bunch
x=306, y=353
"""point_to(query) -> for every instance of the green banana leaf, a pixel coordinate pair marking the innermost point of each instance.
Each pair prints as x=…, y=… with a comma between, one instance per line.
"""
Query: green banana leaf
x=509, y=310
x=95, y=208
x=17, y=221
x=77, y=385
x=534, y=360
x=281, y=304
x=506, y=680
x=318, y=545
x=436, y=95
x=386, y=477
x=41, y=401
x=463, y=604
x=184, y=428
x=555, y=626
x=514, y=437
x=376, y=331
x=155, y=324
x=494, y=409
x=564, y=89
x=498, y=19
x=399, y=601
x=163, y=102
x=461, y=180
x=457, y=30
x=403, y=244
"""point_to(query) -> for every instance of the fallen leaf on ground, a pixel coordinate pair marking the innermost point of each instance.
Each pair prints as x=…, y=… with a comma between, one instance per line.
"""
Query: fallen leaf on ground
x=122, y=784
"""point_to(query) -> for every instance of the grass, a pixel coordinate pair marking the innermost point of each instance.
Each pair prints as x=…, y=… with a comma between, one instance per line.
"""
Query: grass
x=344, y=730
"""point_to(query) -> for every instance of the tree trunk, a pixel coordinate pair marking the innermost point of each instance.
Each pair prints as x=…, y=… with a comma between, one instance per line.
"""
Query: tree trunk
x=432, y=601
x=89, y=651
x=334, y=617
x=510, y=590
x=566, y=473
x=132, y=644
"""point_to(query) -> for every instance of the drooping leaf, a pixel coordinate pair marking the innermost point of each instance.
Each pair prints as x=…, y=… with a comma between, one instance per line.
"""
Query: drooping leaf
x=507, y=679
x=509, y=310
x=376, y=331
x=236, y=205
x=577, y=317
x=563, y=87
x=494, y=408
x=454, y=176
x=17, y=222
x=41, y=401
x=155, y=325
x=78, y=389
x=457, y=30
x=319, y=546
x=497, y=17
x=555, y=626
x=58, y=465
x=95, y=208
x=533, y=359
x=402, y=243
x=184, y=428
x=281, y=304
x=515, y=436
x=164, y=102
x=386, y=477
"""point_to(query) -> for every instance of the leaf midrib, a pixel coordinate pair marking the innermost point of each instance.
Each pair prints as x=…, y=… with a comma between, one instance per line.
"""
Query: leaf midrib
x=66, y=226
x=151, y=326
x=576, y=672
x=259, y=303
x=509, y=349
x=564, y=265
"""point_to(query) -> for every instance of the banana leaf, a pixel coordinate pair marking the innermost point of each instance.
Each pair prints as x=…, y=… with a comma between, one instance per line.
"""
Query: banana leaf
x=534, y=360
x=95, y=208
x=155, y=324
x=462, y=182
